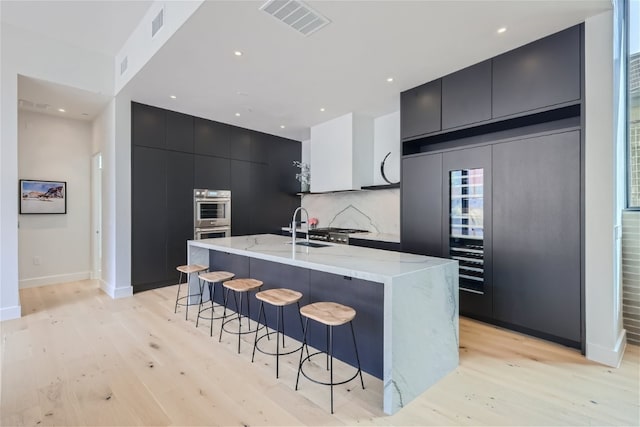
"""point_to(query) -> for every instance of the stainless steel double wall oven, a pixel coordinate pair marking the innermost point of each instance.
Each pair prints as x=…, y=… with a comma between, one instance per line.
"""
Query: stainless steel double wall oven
x=211, y=213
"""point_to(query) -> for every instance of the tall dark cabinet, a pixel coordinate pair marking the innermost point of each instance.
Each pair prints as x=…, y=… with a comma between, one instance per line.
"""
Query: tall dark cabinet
x=499, y=187
x=173, y=153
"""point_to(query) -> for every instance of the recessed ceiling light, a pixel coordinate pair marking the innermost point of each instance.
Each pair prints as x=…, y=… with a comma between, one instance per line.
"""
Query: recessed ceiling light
x=390, y=79
x=502, y=30
x=237, y=114
x=237, y=53
x=322, y=109
x=281, y=126
x=172, y=96
x=61, y=110
x=84, y=114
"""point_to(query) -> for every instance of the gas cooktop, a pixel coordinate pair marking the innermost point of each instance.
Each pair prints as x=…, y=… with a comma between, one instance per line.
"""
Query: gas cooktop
x=333, y=234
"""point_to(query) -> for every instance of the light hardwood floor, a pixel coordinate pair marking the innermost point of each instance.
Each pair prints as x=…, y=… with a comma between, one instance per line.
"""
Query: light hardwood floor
x=77, y=357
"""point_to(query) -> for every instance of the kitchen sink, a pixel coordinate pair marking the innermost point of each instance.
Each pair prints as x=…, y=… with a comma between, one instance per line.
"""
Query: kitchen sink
x=311, y=244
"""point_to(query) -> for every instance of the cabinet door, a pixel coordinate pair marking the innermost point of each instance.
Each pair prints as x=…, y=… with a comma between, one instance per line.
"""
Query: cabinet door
x=261, y=143
x=261, y=201
x=241, y=201
x=239, y=143
x=211, y=138
x=179, y=132
x=541, y=74
x=179, y=209
x=367, y=298
x=282, y=180
x=148, y=126
x=466, y=96
x=420, y=110
x=536, y=234
x=421, y=205
x=212, y=172
x=466, y=225
x=149, y=217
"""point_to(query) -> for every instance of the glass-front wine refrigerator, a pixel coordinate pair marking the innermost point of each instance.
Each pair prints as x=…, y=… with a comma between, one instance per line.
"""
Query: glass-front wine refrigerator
x=466, y=226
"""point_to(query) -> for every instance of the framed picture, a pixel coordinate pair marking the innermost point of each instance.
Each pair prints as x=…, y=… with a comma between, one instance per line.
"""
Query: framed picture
x=43, y=197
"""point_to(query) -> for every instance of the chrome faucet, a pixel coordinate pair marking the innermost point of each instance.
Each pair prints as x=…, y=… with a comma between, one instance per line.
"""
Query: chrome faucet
x=293, y=224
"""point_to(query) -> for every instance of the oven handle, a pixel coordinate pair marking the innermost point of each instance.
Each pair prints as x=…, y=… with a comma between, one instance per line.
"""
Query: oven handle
x=217, y=200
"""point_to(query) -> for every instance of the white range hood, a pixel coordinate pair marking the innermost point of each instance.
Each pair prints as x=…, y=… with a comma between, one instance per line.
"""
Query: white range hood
x=341, y=152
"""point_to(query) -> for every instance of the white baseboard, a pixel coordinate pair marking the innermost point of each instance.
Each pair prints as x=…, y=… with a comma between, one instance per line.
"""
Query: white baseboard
x=608, y=356
x=10, y=313
x=54, y=280
x=114, y=292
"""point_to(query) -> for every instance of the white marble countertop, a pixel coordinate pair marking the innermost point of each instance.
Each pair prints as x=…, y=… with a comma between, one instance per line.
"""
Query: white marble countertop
x=358, y=262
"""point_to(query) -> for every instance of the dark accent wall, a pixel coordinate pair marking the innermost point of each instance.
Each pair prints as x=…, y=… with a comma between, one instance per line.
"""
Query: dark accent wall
x=173, y=153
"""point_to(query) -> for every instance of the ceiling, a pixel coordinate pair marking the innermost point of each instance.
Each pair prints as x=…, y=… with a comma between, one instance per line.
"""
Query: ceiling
x=284, y=78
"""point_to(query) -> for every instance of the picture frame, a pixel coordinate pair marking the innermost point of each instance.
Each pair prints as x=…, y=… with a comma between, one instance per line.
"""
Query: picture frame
x=42, y=197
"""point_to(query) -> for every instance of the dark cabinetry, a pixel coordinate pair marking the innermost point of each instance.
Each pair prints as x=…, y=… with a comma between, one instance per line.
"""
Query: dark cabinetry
x=466, y=96
x=536, y=234
x=179, y=208
x=375, y=244
x=420, y=110
x=211, y=138
x=149, y=216
x=179, y=131
x=212, y=172
x=173, y=153
x=541, y=74
x=148, y=126
x=421, y=205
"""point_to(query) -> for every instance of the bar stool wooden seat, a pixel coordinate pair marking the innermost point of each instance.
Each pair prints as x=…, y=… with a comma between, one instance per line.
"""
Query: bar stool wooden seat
x=239, y=288
x=185, y=300
x=211, y=278
x=279, y=297
x=329, y=314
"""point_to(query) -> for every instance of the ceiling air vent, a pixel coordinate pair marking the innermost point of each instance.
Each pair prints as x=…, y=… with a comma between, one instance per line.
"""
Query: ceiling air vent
x=296, y=15
x=124, y=64
x=157, y=22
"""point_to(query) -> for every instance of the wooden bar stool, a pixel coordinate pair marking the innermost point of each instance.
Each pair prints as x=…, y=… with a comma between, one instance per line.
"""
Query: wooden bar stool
x=211, y=278
x=185, y=300
x=239, y=288
x=279, y=298
x=329, y=314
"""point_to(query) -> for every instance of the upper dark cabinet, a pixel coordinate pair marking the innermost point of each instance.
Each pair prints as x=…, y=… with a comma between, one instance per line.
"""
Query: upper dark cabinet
x=261, y=143
x=541, y=74
x=148, y=126
x=466, y=96
x=211, y=138
x=179, y=132
x=420, y=110
x=240, y=143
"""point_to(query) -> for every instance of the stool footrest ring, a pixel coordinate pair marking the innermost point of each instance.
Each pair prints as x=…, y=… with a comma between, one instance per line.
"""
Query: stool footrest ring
x=308, y=359
x=274, y=354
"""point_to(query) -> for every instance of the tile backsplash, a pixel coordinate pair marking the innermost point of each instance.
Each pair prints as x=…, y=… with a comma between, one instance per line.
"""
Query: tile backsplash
x=373, y=210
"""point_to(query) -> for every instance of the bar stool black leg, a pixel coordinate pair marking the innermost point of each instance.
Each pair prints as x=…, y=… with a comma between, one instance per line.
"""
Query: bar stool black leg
x=239, y=320
x=304, y=343
x=327, y=338
x=331, y=357
x=353, y=334
x=224, y=313
x=261, y=314
x=200, y=303
x=175, y=310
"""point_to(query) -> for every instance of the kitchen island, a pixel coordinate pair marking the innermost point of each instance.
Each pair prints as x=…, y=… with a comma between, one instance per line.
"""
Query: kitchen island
x=407, y=305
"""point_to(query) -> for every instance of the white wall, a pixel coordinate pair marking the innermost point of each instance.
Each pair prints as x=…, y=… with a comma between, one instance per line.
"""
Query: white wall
x=604, y=336
x=55, y=149
x=29, y=54
x=103, y=137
